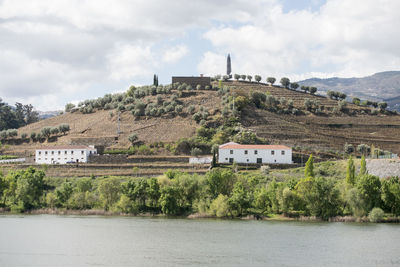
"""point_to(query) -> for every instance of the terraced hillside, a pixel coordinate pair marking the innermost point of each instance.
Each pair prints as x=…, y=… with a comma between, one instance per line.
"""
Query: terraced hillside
x=101, y=128
x=319, y=132
x=328, y=131
x=297, y=96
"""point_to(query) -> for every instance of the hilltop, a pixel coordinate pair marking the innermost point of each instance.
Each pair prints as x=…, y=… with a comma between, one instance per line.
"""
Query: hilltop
x=168, y=120
x=382, y=86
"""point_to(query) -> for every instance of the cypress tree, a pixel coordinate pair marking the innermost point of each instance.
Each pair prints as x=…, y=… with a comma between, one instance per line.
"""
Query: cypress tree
x=214, y=160
x=155, y=80
x=228, y=65
x=350, y=172
x=309, y=170
x=363, y=167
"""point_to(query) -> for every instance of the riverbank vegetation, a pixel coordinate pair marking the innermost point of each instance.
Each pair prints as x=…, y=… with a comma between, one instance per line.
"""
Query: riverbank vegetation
x=321, y=191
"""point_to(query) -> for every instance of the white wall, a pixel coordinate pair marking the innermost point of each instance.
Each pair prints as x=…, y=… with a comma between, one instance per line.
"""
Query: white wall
x=62, y=156
x=239, y=155
x=202, y=160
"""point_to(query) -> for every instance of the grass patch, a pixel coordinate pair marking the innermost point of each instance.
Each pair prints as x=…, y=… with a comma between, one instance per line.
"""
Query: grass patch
x=3, y=157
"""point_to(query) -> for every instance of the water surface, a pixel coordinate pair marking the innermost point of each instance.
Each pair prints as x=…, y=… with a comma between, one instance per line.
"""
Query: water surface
x=49, y=240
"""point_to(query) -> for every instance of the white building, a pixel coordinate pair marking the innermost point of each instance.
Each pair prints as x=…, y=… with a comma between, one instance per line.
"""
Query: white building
x=233, y=152
x=63, y=154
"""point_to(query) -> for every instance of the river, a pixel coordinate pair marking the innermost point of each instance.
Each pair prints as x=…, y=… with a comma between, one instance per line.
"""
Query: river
x=50, y=240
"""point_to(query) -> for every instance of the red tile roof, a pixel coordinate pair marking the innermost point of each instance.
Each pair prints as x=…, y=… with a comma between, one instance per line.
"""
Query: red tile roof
x=238, y=146
x=63, y=147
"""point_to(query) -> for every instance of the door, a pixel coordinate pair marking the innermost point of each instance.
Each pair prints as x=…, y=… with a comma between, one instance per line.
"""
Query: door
x=259, y=160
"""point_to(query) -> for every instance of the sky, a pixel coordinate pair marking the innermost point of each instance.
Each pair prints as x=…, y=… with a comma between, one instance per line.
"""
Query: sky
x=54, y=52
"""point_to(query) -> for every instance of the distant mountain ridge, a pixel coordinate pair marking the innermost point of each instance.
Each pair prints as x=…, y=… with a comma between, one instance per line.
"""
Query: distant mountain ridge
x=382, y=86
x=48, y=114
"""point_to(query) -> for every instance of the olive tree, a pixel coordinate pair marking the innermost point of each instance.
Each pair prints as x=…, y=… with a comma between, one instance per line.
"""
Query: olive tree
x=69, y=107
x=271, y=80
x=46, y=132
x=382, y=105
x=294, y=86
x=64, y=128
x=285, y=82
x=313, y=90
x=133, y=138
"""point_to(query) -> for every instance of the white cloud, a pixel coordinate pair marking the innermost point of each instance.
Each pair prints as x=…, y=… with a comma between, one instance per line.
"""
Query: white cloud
x=50, y=48
x=174, y=54
x=212, y=64
x=129, y=61
x=344, y=38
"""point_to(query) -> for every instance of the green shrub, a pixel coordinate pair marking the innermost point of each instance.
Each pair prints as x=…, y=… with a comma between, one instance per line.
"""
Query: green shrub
x=178, y=108
x=376, y=215
x=133, y=138
x=197, y=117
x=219, y=207
x=191, y=109
x=195, y=151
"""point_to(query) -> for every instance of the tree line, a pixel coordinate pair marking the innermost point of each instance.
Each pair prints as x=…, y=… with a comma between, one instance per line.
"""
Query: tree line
x=221, y=192
x=13, y=117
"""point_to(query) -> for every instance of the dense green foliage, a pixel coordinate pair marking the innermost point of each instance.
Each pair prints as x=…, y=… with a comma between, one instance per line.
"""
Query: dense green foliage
x=15, y=117
x=221, y=192
x=350, y=173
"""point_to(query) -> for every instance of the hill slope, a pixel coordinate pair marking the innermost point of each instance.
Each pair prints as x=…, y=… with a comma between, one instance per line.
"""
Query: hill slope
x=381, y=86
x=328, y=131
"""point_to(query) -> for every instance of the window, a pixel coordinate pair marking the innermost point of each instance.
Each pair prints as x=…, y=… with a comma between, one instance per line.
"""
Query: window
x=231, y=151
x=65, y=152
x=255, y=152
x=226, y=158
x=72, y=152
x=283, y=152
x=52, y=152
x=39, y=159
x=245, y=152
x=82, y=152
x=247, y=160
x=59, y=152
x=273, y=152
x=45, y=152
x=40, y=152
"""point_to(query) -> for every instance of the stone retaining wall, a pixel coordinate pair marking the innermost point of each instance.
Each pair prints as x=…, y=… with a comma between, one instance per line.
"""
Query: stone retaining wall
x=120, y=159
